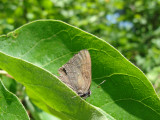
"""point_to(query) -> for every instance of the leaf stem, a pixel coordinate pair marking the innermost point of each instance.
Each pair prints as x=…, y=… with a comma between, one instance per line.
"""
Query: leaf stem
x=2, y=72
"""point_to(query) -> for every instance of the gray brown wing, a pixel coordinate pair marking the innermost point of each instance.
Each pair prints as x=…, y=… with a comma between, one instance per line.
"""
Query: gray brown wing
x=77, y=72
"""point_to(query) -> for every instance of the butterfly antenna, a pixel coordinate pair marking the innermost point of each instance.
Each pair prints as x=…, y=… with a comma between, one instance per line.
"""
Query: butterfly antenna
x=101, y=83
x=98, y=86
x=74, y=96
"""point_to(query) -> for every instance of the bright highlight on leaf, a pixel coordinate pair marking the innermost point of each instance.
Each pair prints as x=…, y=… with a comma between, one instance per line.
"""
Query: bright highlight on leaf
x=33, y=54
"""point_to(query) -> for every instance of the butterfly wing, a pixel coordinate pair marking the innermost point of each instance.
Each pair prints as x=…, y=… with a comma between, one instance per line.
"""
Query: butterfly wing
x=77, y=72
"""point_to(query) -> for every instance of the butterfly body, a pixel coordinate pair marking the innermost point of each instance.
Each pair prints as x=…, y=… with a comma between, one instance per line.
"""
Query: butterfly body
x=76, y=73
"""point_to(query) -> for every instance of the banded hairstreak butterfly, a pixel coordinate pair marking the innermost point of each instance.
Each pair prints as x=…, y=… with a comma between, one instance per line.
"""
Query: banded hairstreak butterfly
x=76, y=73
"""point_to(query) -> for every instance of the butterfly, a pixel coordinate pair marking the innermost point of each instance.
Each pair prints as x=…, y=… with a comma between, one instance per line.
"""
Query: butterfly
x=76, y=73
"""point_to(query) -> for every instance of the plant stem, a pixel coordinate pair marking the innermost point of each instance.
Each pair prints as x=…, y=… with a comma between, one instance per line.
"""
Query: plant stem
x=2, y=72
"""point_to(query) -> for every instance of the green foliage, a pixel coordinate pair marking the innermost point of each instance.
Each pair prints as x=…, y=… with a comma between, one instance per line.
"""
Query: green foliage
x=130, y=26
x=10, y=107
x=154, y=77
x=138, y=40
x=33, y=53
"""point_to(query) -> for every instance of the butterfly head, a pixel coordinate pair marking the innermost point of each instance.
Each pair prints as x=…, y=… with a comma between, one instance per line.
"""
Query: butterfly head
x=84, y=95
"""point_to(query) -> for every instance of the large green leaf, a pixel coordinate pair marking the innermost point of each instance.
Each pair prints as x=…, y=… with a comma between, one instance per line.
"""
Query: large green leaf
x=10, y=107
x=33, y=53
